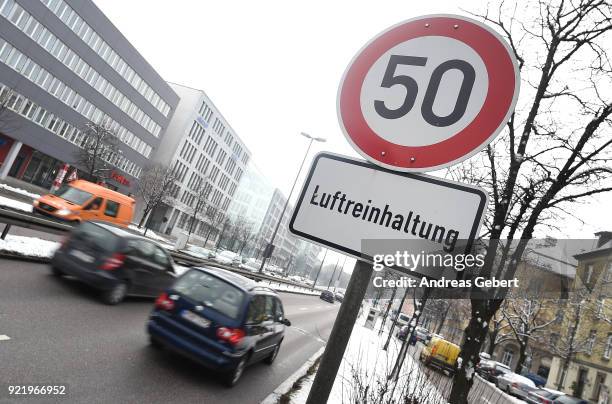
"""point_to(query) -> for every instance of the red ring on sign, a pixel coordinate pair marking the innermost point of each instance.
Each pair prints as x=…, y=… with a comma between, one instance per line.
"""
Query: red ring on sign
x=488, y=121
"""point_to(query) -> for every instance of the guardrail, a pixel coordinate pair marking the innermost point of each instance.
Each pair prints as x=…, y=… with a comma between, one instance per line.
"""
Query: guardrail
x=30, y=221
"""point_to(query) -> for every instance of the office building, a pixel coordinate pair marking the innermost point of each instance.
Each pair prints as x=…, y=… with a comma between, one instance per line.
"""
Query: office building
x=63, y=64
x=206, y=154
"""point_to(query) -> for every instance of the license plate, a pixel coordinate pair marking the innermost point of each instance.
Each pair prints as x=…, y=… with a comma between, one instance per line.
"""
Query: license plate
x=82, y=256
x=194, y=318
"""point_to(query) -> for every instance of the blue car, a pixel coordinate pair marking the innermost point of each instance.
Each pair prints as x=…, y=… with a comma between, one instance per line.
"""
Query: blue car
x=220, y=319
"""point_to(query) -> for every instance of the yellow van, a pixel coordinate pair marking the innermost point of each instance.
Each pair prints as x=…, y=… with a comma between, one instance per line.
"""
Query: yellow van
x=82, y=200
x=440, y=353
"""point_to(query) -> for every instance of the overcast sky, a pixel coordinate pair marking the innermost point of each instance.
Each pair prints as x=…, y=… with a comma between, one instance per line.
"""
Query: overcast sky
x=273, y=67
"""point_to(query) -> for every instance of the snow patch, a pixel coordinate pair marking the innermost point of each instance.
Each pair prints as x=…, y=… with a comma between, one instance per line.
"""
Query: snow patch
x=19, y=191
x=11, y=203
x=29, y=246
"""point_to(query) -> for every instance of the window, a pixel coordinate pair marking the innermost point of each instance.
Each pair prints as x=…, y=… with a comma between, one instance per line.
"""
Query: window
x=94, y=205
x=589, y=274
x=257, y=310
x=608, y=348
x=160, y=257
x=112, y=208
x=507, y=357
x=591, y=341
x=279, y=314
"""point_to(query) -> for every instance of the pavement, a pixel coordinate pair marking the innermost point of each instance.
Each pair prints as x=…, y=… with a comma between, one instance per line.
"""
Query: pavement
x=61, y=334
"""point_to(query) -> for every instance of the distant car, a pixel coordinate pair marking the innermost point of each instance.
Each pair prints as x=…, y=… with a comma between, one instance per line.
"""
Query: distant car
x=538, y=380
x=491, y=370
x=339, y=296
x=200, y=252
x=485, y=356
x=569, y=400
x=543, y=396
x=403, y=319
x=441, y=354
x=421, y=334
x=328, y=296
x=228, y=258
x=114, y=260
x=250, y=265
x=515, y=385
x=220, y=319
x=403, y=332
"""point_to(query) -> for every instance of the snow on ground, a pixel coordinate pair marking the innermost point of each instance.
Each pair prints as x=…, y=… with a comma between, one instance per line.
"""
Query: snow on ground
x=19, y=191
x=151, y=234
x=29, y=246
x=11, y=203
x=288, y=288
x=363, y=372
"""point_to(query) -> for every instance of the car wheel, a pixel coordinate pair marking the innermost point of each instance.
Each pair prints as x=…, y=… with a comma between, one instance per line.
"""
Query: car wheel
x=116, y=294
x=270, y=359
x=232, y=378
x=55, y=271
x=155, y=343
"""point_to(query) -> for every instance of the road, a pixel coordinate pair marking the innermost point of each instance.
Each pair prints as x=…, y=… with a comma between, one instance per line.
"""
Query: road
x=61, y=334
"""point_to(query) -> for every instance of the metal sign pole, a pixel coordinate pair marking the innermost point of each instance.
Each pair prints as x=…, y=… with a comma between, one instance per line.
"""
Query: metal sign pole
x=340, y=334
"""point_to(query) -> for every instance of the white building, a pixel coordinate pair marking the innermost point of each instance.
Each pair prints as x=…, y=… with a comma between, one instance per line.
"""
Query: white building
x=203, y=150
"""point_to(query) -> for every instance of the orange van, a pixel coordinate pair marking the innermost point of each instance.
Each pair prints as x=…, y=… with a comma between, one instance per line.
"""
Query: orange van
x=82, y=200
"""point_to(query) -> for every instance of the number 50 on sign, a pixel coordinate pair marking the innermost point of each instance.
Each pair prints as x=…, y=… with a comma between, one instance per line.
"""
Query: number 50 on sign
x=428, y=93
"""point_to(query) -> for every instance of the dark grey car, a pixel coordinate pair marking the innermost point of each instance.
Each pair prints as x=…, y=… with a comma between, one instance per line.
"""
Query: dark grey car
x=114, y=260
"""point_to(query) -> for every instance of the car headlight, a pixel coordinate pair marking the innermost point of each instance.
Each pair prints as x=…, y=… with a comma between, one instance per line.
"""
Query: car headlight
x=35, y=203
x=64, y=212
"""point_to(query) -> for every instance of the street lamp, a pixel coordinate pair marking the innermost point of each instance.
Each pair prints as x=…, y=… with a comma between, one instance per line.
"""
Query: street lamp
x=269, y=247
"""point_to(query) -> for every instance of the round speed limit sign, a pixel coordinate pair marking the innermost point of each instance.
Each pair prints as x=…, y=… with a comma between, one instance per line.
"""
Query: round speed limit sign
x=428, y=93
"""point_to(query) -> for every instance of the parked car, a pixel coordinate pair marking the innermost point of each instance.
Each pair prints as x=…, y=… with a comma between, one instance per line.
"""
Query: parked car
x=403, y=332
x=543, y=396
x=228, y=258
x=421, y=334
x=440, y=353
x=339, y=296
x=491, y=370
x=515, y=384
x=569, y=400
x=485, y=356
x=220, y=319
x=328, y=296
x=81, y=200
x=113, y=260
x=538, y=380
x=200, y=252
x=402, y=319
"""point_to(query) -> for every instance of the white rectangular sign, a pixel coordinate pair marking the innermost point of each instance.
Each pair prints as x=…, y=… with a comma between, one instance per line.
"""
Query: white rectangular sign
x=345, y=201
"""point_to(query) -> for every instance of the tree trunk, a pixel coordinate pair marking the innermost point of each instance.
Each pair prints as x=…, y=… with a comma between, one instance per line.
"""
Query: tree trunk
x=492, y=338
x=474, y=334
x=561, y=379
x=522, y=355
x=145, y=213
x=441, y=323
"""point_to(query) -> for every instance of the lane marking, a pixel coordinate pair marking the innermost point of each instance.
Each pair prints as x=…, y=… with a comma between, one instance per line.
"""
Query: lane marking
x=4, y=337
x=303, y=308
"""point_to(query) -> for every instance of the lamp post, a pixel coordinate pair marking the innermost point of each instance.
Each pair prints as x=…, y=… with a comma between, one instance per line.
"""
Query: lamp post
x=320, y=267
x=269, y=247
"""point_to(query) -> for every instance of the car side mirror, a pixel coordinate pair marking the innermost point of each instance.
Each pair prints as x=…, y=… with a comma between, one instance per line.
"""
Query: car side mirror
x=286, y=322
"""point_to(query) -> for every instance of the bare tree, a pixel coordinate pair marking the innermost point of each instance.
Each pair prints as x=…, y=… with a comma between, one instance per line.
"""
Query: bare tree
x=202, y=190
x=156, y=186
x=246, y=235
x=216, y=217
x=554, y=150
x=98, y=150
x=528, y=319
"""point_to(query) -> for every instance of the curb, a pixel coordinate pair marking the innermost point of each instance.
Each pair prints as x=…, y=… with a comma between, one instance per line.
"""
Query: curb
x=287, y=385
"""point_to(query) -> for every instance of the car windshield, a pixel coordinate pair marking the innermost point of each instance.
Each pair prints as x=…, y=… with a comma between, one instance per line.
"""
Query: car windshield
x=211, y=291
x=503, y=370
x=404, y=317
x=74, y=195
x=98, y=236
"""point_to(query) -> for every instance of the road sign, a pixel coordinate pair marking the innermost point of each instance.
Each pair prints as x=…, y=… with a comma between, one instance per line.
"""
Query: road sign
x=428, y=93
x=345, y=201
